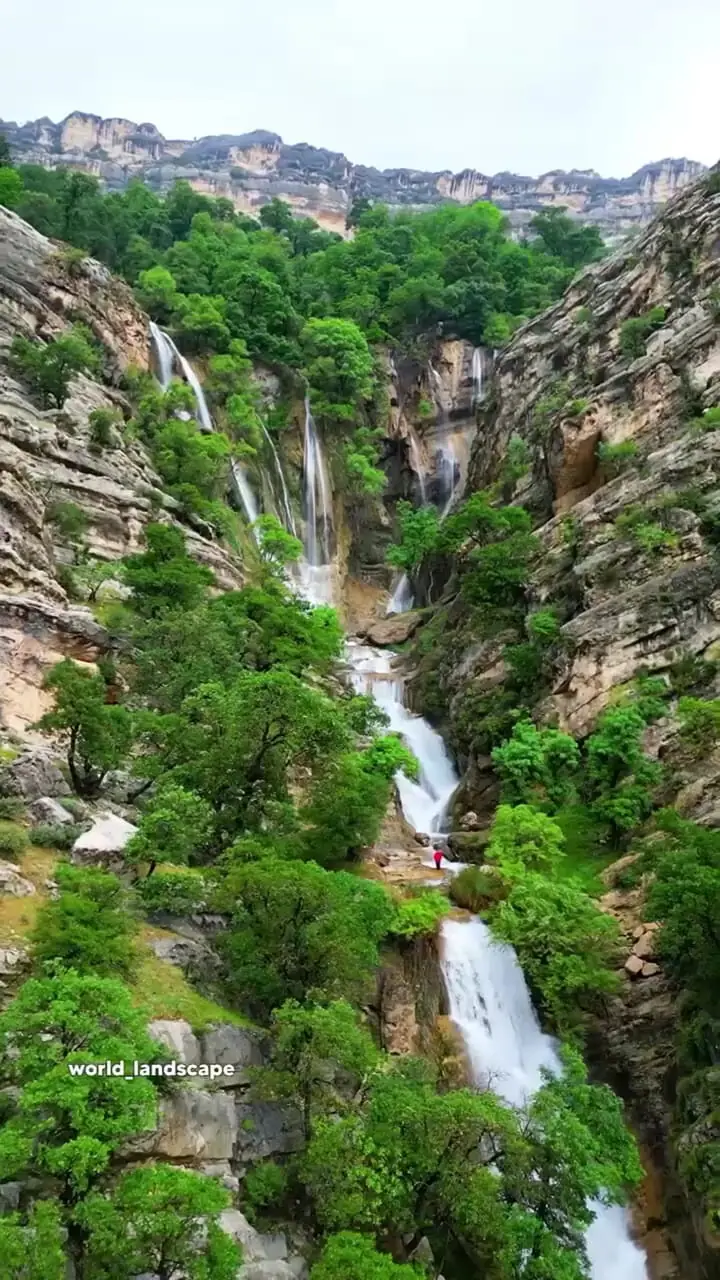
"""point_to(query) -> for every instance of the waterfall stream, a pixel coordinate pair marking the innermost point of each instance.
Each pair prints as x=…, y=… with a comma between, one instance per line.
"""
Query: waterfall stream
x=287, y=508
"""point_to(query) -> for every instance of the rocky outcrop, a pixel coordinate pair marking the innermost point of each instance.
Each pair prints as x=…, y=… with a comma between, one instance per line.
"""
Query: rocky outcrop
x=252, y=168
x=47, y=457
x=103, y=844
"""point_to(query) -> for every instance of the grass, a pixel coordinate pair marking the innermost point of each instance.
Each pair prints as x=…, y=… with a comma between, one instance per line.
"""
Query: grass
x=8, y=754
x=164, y=992
x=18, y=915
x=585, y=854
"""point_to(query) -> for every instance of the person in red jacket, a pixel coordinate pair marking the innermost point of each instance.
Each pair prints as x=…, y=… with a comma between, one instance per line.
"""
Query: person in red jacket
x=438, y=856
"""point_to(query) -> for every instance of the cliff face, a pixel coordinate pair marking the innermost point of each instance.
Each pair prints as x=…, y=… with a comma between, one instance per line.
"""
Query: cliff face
x=46, y=458
x=251, y=168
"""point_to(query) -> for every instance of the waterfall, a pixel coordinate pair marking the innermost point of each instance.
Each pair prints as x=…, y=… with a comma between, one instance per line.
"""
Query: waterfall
x=244, y=491
x=417, y=463
x=424, y=803
x=402, y=598
x=168, y=357
x=477, y=376
x=316, y=570
x=507, y=1050
x=287, y=508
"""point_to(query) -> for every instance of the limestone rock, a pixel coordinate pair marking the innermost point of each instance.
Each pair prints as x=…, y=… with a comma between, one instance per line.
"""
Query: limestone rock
x=13, y=960
x=33, y=774
x=194, y=1125
x=398, y=1019
x=266, y=1129
x=267, y=1271
x=45, y=809
x=649, y=969
x=12, y=883
x=178, y=1038
x=228, y=1044
x=645, y=946
x=395, y=629
x=104, y=842
x=189, y=954
x=633, y=966
x=256, y=1247
x=469, y=846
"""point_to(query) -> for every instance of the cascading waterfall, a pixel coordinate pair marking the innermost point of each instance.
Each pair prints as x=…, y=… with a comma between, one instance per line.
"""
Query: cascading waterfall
x=316, y=570
x=287, y=508
x=168, y=357
x=402, y=599
x=417, y=464
x=507, y=1050
x=244, y=491
x=477, y=376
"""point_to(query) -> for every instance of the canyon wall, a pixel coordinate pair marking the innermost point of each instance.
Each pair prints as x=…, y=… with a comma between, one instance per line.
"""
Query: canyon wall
x=252, y=168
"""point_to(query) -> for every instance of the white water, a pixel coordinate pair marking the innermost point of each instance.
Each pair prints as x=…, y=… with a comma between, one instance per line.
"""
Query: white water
x=424, y=803
x=316, y=571
x=402, y=598
x=287, y=507
x=417, y=464
x=168, y=357
x=477, y=376
x=507, y=1050
x=244, y=491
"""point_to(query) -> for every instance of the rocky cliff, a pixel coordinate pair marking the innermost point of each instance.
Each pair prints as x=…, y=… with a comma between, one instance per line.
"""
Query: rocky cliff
x=47, y=457
x=252, y=168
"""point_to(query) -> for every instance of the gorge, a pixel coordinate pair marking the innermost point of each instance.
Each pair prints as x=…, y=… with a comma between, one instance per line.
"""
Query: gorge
x=515, y=519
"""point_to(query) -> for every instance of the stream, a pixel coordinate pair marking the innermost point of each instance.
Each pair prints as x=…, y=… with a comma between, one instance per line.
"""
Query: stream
x=488, y=997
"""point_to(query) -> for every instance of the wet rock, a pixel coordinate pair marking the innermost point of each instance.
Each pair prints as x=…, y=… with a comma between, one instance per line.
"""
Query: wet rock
x=469, y=846
x=13, y=884
x=103, y=844
x=33, y=774
x=395, y=629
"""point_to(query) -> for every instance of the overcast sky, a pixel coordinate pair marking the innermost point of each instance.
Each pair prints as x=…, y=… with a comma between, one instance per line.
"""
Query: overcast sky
x=524, y=85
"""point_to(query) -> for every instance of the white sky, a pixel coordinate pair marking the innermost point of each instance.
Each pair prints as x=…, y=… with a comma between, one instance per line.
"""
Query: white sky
x=523, y=85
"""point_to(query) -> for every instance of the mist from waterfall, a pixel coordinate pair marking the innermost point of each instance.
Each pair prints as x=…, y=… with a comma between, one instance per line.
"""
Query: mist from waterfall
x=508, y=1051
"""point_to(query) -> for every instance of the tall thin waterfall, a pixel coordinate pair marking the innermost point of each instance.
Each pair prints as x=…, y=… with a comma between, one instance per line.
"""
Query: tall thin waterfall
x=316, y=571
x=243, y=489
x=424, y=803
x=402, y=598
x=477, y=376
x=287, y=507
x=507, y=1050
x=168, y=357
x=417, y=463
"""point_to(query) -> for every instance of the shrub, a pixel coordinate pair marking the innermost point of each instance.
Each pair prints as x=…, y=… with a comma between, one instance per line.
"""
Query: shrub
x=709, y=419
x=712, y=182
x=635, y=332
x=420, y=914
x=700, y=720
x=69, y=520
x=179, y=893
x=48, y=367
x=13, y=840
x=636, y=526
x=11, y=807
x=477, y=888
x=691, y=674
x=102, y=423
x=614, y=458
x=56, y=835
x=265, y=1186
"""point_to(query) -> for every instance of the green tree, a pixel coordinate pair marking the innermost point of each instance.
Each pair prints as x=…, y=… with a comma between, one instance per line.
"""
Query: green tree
x=174, y=826
x=65, y=1124
x=165, y=1218
x=619, y=778
x=298, y=928
x=97, y=736
x=537, y=766
x=685, y=897
x=11, y=187
x=47, y=368
x=700, y=724
x=339, y=368
x=164, y=576
x=565, y=944
x=306, y=1038
x=277, y=547
x=351, y=1256
x=32, y=1249
x=348, y=802
x=88, y=926
x=524, y=839
x=566, y=239
x=419, y=529
x=157, y=293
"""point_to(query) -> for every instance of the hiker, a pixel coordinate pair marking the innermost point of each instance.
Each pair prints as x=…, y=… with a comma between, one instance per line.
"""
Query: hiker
x=438, y=857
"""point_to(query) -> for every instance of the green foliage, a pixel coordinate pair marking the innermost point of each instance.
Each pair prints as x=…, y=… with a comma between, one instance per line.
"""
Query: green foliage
x=11, y=187
x=177, y=893
x=47, y=368
x=165, y=576
x=495, y=546
x=709, y=420
x=712, y=182
x=619, y=778
x=637, y=525
x=635, y=332
x=691, y=675
x=339, y=368
x=700, y=724
x=265, y=1187
x=537, y=766
x=419, y=529
x=565, y=944
x=31, y=1248
x=352, y=1256
x=69, y=519
x=11, y=806
x=420, y=914
x=524, y=839
x=56, y=835
x=476, y=888
x=13, y=840
x=563, y=238
x=517, y=461
x=88, y=927
x=277, y=547
x=347, y=805
x=96, y=735
x=615, y=458
x=68, y=1125
x=103, y=424
x=685, y=898
x=298, y=928
x=306, y=1038
x=174, y=826
x=166, y=1220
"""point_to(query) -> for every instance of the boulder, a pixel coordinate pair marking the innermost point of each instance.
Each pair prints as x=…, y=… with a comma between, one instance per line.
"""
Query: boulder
x=469, y=821
x=104, y=842
x=645, y=945
x=194, y=1126
x=395, y=629
x=13, y=960
x=256, y=1247
x=469, y=846
x=267, y=1271
x=633, y=966
x=649, y=969
x=45, y=809
x=12, y=883
x=188, y=954
x=228, y=1044
x=178, y=1038
x=31, y=775
x=266, y=1129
